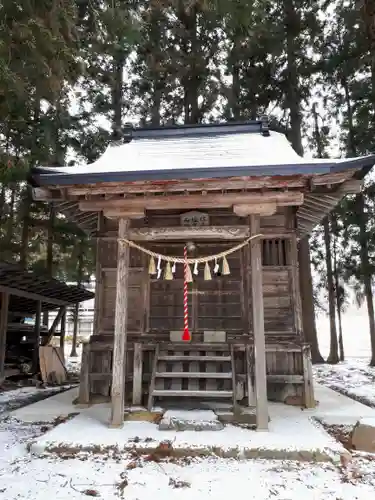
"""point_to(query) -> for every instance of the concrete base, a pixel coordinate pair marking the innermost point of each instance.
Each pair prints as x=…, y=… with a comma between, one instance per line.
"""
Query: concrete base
x=292, y=433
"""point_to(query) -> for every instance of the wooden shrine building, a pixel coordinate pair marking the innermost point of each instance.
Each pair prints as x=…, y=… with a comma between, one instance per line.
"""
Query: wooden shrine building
x=206, y=189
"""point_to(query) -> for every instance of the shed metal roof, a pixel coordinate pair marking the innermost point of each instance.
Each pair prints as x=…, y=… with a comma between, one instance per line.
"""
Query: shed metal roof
x=28, y=287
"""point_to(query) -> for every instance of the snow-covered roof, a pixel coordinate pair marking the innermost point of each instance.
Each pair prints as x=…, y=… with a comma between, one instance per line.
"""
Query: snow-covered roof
x=201, y=151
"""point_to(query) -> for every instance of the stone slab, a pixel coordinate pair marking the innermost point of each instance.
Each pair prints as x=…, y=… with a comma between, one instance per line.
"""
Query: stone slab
x=363, y=435
x=214, y=336
x=196, y=420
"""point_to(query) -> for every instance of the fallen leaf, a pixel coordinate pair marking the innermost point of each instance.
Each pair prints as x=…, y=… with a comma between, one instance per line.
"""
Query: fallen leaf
x=177, y=483
x=91, y=493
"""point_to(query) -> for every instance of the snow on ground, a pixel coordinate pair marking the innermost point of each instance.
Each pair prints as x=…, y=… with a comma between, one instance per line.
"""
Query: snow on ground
x=135, y=478
x=24, y=476
x=114, y=475
x=354, y=378
x=73, y=365
x=17, y=398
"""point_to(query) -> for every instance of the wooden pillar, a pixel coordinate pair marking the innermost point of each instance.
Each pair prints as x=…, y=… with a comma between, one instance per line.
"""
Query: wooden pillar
x=3, y=332
x=119, y=347
x=258, y=327
x=84, y=380
x=62, y=331
x=295, y=285
x=98, y=277
x=38, y=316
x=137, y=374
x=308, y=387
x=249, y=375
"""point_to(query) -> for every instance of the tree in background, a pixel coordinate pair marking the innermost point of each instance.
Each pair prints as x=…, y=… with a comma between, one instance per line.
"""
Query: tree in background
x=73, y=73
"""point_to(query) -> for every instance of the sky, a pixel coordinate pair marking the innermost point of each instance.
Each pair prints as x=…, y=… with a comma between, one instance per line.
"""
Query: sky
x=356, y=334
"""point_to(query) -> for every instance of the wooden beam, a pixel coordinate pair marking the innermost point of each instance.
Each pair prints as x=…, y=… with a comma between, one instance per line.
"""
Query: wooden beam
x=181, y=233
x=258, y=328
x=332, y=178
x=52, y=330
x=198, y=201
x=38, y=316
x=3, y=332
x=263, y=209
x=187, y=233
x=41, y=194
x=124, y=214
x=121, y=313
x=188, y=185
x=351, y=186
x=32, y=296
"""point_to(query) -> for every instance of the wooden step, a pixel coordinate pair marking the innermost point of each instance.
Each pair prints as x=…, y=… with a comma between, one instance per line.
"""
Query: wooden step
x=193, y=394
x=194, y=358
x=193, y=375
x=285, y=379
x=187, y=346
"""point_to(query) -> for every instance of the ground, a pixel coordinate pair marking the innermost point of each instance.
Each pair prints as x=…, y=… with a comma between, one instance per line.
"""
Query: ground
x=354, y=378
x=129, y=475
x=116, y=475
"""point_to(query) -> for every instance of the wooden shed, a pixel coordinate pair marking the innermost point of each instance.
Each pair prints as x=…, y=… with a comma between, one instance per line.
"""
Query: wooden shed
x=237, y=199
x=25, y=293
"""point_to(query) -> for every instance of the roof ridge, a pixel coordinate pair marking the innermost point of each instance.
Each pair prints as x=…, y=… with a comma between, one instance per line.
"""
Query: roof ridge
x=194, y=130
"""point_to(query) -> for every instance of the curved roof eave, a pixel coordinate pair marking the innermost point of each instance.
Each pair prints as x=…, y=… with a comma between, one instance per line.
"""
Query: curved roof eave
x=41, y=176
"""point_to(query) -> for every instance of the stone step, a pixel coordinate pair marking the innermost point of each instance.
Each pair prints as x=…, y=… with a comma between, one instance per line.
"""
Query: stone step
x=194, y=358
x=192, y=394
x=193, y=375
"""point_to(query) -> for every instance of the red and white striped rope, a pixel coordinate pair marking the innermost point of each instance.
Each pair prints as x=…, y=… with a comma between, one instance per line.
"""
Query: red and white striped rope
x=186, y=334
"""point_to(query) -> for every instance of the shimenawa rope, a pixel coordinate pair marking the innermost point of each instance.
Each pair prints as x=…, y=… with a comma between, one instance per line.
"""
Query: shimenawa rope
x=181, y=260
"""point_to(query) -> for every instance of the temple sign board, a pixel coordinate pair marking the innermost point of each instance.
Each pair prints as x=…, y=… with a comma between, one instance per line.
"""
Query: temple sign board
x=194, y=218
